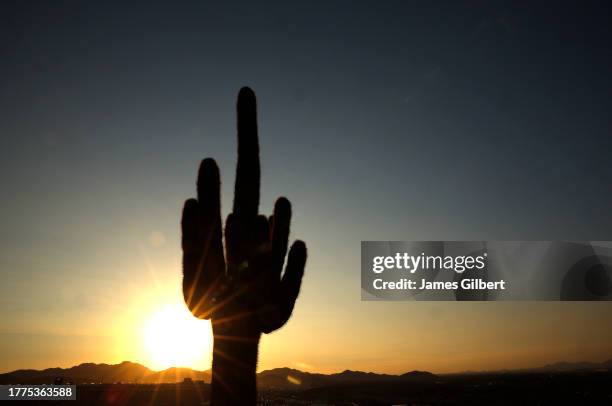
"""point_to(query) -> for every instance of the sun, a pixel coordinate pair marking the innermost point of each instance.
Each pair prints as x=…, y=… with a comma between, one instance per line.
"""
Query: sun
x=172, y=337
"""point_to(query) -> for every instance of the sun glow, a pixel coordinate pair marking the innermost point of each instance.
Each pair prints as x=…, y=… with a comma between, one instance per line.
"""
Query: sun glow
x=172, y=337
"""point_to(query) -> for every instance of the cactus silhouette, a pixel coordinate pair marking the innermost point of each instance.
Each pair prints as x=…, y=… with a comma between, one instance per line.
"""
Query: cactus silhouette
x=244, y=292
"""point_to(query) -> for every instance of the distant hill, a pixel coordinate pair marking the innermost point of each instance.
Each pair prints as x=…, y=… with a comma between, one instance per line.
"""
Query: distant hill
x=419, y=376
x=278, y=378
x=561, y=366
x=286, y=378
x=103, y=373
x=576, y=366
x=84, y=373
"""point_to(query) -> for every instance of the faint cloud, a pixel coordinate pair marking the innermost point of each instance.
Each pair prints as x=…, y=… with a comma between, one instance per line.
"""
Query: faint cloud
x=303, y=366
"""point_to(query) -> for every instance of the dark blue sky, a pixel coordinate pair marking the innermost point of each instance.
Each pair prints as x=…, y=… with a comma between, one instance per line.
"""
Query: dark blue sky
x=393, y=121
x=496, y=113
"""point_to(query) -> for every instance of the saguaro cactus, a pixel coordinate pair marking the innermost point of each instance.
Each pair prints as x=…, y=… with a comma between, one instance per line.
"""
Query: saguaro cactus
x=245, y=292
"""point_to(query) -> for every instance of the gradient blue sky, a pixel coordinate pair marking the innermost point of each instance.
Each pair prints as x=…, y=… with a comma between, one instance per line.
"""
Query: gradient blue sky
x=394, y=121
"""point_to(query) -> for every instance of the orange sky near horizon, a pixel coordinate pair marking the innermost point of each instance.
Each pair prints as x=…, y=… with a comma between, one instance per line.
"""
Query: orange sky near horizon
x=138, y=315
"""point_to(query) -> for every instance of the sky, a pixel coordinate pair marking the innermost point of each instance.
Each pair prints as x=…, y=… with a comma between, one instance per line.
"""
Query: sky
x=462, y=120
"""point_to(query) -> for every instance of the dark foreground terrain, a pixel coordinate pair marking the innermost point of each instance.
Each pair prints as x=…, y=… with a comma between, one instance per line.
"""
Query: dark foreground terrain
x=561, y=388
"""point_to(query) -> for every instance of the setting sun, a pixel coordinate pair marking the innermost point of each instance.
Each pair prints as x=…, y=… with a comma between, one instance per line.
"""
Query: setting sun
x=172, y=337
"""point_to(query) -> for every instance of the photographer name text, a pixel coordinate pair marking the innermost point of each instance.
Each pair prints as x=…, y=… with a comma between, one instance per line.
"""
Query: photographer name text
x=414, y=263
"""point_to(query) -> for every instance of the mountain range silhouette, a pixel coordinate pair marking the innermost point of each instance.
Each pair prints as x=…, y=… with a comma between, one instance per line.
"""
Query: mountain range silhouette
x=278, y=378
x=105, y=373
